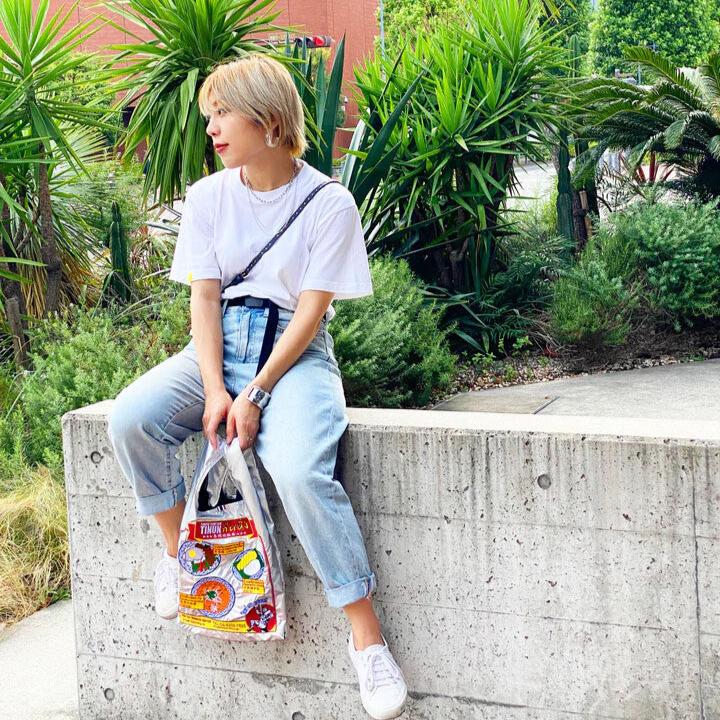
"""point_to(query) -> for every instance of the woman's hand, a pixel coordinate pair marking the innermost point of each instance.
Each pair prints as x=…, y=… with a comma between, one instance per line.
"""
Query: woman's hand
x=243, y=420
x=217, y=406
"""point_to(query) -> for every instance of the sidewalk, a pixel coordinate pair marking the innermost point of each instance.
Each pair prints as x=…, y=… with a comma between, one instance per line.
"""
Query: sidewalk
x=37, y=666
x=682, y=391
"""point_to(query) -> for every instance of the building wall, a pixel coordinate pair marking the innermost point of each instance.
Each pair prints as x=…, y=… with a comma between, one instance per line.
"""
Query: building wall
x=311, y=17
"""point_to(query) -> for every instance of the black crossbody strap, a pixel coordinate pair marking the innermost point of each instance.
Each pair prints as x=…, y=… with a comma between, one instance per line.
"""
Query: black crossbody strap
x=242, y=275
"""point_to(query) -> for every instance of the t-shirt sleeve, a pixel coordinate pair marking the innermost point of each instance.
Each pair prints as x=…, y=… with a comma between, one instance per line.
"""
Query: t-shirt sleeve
x=338, y=260
x=194, y=257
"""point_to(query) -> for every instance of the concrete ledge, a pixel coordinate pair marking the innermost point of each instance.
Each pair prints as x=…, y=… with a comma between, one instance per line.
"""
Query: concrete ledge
x=529, y=567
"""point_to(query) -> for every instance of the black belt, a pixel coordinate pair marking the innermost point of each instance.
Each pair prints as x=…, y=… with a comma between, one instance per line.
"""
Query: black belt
x=250, y=301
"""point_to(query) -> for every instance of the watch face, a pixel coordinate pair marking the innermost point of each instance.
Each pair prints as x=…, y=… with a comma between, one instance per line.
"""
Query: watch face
x=257, y=395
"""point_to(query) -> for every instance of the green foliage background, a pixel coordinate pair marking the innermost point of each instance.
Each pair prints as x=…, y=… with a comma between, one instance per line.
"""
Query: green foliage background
x=388, y=345
x=406, y=18
x=684, y=31
x=658, y=261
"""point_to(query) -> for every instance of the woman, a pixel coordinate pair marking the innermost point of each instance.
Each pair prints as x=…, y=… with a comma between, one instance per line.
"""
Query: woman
x=255, y=119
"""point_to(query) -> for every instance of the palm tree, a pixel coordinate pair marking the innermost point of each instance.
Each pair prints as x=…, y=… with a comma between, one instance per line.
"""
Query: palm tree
x=39, y=133
x=678, y=116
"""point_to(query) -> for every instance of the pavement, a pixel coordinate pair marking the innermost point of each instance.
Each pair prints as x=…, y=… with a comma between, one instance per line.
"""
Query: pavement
x=681, y=391
x=38, y=679
x=535, y=182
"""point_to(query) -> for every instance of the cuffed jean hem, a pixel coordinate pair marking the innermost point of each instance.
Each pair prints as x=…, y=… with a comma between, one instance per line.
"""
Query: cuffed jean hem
x=352, y=591
x=163, y=501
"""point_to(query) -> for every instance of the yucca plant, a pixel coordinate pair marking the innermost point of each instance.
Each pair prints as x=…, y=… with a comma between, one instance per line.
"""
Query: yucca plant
x=161, y=77
x=320, y=96
x=678, y=116
x=10, y=143
x=485, y=97
x=369, y=156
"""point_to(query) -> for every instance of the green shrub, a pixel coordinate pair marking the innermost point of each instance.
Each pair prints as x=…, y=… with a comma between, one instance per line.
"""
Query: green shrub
x=617, y=253
x=165, y=314
x=532, y=258
x=13, y=435
x=389, y=347
x=683, y=30
x=591, y=308
x=678, y=251
x=529, y=258
x=651, y=258
x=82, y=357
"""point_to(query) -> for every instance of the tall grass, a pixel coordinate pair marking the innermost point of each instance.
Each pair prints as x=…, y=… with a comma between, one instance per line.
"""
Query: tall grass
x=34, y=557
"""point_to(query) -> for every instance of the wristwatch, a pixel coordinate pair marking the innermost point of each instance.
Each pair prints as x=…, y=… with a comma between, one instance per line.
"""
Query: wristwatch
x=258, y=396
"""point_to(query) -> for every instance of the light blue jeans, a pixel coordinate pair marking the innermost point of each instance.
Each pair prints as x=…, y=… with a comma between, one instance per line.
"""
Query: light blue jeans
x=297, y=442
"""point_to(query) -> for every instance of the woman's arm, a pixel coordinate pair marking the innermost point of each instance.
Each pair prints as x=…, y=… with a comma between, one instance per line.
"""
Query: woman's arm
x=302, y=328
x=206, y=321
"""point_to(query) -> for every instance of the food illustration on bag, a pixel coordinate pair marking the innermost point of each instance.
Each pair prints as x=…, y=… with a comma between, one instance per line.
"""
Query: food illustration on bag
x=198, y=558
x=249, y=565
x=218, y=596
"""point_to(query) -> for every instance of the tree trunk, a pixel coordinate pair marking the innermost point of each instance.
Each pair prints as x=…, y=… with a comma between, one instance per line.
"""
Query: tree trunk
x=593, y=207
x=15, y=308
x=49, y=249
x=579, y=212
x=12, y=310
x=564, y=202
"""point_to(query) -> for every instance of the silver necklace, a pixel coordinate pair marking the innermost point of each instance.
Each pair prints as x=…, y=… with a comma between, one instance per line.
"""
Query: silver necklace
x=257, y=220
x=251, y=190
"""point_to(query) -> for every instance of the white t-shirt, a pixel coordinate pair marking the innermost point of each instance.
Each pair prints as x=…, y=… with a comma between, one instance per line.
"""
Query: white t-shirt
x=323, y=249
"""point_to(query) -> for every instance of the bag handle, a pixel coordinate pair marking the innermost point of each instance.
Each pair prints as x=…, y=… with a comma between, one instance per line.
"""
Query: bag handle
x=242, y=275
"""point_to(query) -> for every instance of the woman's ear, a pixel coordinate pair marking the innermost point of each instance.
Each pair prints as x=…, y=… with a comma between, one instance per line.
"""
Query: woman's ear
x=274, y=124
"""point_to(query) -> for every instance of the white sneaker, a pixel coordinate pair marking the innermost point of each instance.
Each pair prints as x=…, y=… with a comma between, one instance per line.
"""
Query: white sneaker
x=166, y=587
x=382, y=684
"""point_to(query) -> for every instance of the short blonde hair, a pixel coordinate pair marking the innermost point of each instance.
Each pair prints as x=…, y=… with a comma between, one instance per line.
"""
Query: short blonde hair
x=257, y=86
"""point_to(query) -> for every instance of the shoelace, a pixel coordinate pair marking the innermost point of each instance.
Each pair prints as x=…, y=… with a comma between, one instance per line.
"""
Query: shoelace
x=381, y=671
x=166, y=575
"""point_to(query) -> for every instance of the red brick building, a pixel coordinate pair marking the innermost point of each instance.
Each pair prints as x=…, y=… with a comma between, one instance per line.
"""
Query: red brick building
x=312, y=17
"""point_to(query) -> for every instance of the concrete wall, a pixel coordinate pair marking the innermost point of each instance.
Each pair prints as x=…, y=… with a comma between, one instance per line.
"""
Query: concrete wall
x=530, y=568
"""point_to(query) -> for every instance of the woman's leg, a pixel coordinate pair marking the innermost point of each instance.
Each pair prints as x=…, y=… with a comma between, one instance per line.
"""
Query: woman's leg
x=148, y=421
x=297, y=443
x=365, y=624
